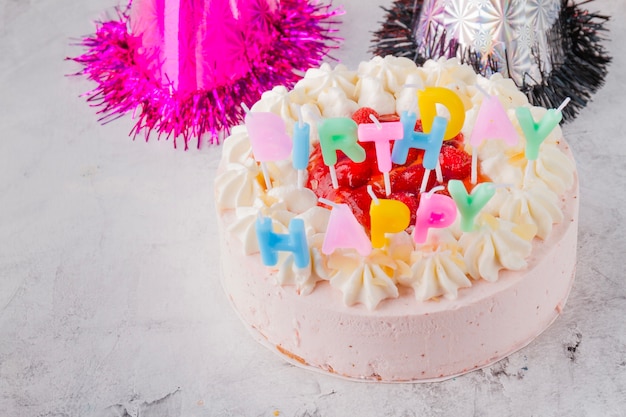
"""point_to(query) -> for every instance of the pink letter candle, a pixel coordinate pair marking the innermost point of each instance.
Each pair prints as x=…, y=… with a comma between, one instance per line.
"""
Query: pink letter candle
x=268, y=138
x=271, y=243
x=381, y=134
x=435, y=211
x=492, y=122
x=344, y=231
x=339, y=133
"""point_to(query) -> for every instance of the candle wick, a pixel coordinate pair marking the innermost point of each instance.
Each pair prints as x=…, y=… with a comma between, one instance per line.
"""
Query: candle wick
x=482, y=90
x=370, y=191
x=314, y=116
x=565, y=103
x=328, y=202
x=434, y=190
x=376, y=122
x=300, y=118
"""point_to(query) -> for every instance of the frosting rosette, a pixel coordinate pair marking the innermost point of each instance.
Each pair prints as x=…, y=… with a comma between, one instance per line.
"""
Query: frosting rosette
x=496, y=244
x=526, y=203
x=436, y=268
x=534, y=204
x=391, y=71
x=365, y=281
x=318, y=80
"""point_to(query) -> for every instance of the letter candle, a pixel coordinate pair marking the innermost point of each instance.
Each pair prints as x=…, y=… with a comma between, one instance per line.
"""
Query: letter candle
x=469, y=205
x=492, y=122
x=429, y=142
x=268, y=138
x=344, y=231
x=387, y=216
x=381, y=134
x=271, y=243
x=339, y=133
x=435, y=211
x=301, y=143
x=536, y=133
x=427, y=102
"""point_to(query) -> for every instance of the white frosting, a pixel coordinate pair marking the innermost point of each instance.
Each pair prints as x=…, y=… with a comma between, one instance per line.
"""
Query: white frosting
x=554, y=168
x=505, y=164
x=535, y=204
x=504, y=88
x=406, y=98
x=276, y=101
x=501, y=163
x=333, y=102
x=437, y=268
x=449, y=73
x=236, y=148
x=317, y=80
x=304, y=279
x=372, y=94
x=496, y=244
x=391, y=71
x=526, y=205
x=297, y=200
x=237, y=186
x=366, y=281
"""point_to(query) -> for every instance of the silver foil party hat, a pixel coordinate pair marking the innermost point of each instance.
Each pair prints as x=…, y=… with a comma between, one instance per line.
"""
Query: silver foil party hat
x=551, y=49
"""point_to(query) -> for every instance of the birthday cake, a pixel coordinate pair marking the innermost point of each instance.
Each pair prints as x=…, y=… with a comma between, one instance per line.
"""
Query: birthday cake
x=397, y=223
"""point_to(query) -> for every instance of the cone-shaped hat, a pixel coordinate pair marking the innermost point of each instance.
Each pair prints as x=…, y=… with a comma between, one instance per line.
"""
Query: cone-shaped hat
x=550, y=48
x=183, y=67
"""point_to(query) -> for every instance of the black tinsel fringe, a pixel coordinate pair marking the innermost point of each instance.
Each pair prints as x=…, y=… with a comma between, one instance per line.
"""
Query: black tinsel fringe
x=578, y=74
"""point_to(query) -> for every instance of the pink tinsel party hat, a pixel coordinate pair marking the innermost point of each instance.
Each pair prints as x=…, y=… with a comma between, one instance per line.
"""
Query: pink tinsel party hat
x=183, y=67
x=552, y=49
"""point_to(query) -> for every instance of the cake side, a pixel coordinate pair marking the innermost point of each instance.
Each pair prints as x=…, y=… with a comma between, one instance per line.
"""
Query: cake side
x=411, y=309
x=402, y=340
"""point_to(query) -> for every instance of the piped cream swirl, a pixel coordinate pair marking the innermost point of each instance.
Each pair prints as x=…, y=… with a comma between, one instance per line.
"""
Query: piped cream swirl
x=526, y=205
x=437, y=268
x=496, y=244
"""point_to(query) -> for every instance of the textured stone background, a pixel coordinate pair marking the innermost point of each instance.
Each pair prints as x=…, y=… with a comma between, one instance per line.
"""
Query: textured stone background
x=110, y=304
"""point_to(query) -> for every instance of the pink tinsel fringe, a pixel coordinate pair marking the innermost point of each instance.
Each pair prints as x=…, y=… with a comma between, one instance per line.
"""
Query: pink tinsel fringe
x=126, y=84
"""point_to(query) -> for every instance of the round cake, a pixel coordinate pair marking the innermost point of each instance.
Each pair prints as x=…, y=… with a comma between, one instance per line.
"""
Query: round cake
x=417, y=293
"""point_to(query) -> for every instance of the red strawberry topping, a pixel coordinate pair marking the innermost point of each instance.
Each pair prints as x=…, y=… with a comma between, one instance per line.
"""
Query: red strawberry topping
x=405, y=179
x=456, y=164
x=410, y=199
x=362, y=115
